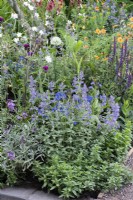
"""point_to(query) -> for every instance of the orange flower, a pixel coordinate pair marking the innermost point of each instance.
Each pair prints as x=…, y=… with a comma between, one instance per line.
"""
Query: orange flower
x=131, y=19
x=96, y=8
x=97, y=31
x=103, y=31
x=85, y=46
x=130, y=25
x=126, y=37
x=120, y=39
x=97, y=57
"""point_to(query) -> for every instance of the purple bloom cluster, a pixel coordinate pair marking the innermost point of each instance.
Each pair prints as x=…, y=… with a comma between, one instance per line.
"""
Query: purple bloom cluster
x=113, y=113
x=77, y=105
x=10, y=105
x=60, y=96
x=11, y=155
x=45, y=68
x=1, y=19
x=124, y=59
x=33, y=92
x=26, y=46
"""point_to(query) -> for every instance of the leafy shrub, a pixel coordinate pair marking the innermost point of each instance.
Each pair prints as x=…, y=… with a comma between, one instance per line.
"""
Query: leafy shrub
x=71, y=138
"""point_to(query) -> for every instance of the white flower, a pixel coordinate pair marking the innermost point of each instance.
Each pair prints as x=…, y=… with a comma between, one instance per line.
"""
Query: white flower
x=24, y=38
x=36, y=15
x=47, y=23
x=26, y=4
x=19, y=35
x=31, y=7
x=56, y=41
x=16, y=40
x=69, y=22
x=14, y=16
x=38, y=1
x=41, y=32
x=1, y=35
x=34, y=28
x=48, y=59
x=83, y=15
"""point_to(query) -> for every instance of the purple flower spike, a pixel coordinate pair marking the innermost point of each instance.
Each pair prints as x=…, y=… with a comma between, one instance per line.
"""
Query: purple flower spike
x=30, y=53
x=24, y=115
x=26, y=46
x=45, y=68
x=10, y=105
x=1, y=19
x=11, y=155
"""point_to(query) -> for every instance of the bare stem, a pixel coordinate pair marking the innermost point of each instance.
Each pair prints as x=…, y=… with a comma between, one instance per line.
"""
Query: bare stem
x=16, y=8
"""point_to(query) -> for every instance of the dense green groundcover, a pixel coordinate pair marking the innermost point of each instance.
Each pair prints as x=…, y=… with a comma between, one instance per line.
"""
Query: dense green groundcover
x=66, y=94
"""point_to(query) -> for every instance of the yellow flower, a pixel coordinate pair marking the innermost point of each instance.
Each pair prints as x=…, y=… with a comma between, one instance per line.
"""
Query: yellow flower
x=103, y=31
x=97, y=57
x=73, y=26
x=119, y=35
x=130, y=25
x=97, y=31
x=115, y=26
x=96, y=8
x=131, y=19
x=105, y=59
x=83, y=27
x=120, y=39
x=85, y=38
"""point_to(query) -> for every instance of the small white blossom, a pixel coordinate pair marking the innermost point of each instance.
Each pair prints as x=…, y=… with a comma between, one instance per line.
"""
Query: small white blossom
x=47, y=15
x=1, y=35
x=36, y=15
x=31, y=7
x=56, y=41
x=19, y=35
x=48, y=59
x=16, y=40
x=69, y=22
x=47, y=23
x=14, y=16
x=38, y=1
x=41, y=32
x=24, y=38
x=34, y=28
x=26, y=4
x=80, y=14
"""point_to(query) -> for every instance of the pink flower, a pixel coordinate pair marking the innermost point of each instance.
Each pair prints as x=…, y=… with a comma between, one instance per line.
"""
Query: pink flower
x=50, y=5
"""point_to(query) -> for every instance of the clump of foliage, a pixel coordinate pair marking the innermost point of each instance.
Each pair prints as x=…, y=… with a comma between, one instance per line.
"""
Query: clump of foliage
x=70, y=138
x=66, y=94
